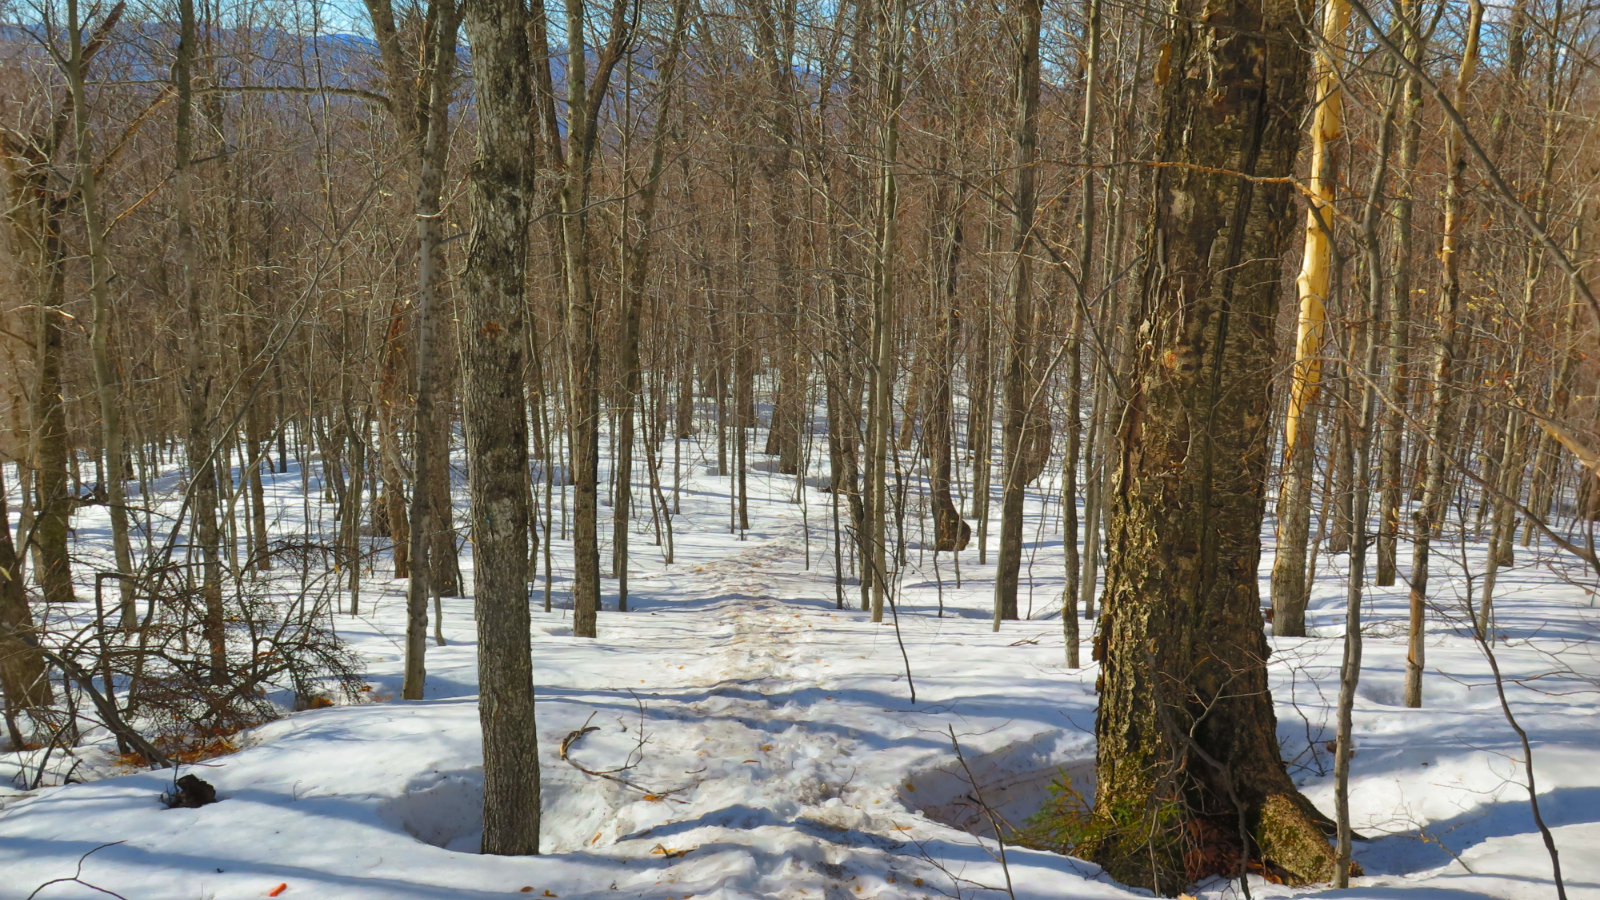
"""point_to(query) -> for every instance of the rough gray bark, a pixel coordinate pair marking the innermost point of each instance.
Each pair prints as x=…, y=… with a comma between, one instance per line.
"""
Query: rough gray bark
x=494, y=317
x=1186, y=731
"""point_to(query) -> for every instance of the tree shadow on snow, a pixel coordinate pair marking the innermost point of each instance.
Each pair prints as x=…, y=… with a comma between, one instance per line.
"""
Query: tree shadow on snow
x=1430, y=846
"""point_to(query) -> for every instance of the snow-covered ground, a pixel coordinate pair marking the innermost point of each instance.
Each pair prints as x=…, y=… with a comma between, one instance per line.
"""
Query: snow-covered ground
x=776, y=751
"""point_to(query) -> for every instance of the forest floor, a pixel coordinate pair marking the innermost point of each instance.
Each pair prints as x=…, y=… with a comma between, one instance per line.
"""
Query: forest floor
x=767, y=743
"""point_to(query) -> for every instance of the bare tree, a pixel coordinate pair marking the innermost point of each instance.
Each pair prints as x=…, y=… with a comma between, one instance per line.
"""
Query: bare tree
x=496, y=418
x=1186, y=728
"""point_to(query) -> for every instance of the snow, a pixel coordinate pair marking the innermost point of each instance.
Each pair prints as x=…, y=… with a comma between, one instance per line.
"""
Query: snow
x=775, y=750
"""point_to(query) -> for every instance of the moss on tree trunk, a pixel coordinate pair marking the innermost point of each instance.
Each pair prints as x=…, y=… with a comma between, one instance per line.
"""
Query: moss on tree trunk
x=1190, y=782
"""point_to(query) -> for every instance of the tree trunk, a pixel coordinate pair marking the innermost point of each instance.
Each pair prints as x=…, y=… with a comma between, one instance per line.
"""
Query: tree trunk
x=197, y=389
x=775, y=29
x=1542, y=493
x=420, y=96
x=258, y=431
x=428, y=129
x=583, y=348
x=1187, y=740
x=980, y=417
x=1019, y=404
x=1073, y=588
x=392, y=399
x=42, y=475
x=1396, y=389
x=494, y=317
x=950, y=532
x=1290, y=590
x=355, y=428
x=107, y=384
x=1427, y=517
x=52, y=493
x=23, y=675
x=1350, y=668
x=1514, y=450
x=637, y=256
x=883, y=306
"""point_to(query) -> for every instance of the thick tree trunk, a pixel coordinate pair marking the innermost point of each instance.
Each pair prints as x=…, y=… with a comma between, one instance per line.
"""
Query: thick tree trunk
x=1187, y=742
x=495, y=317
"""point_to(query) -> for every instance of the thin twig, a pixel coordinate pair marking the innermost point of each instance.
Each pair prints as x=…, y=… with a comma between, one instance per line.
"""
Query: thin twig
x=576, y=735
x=77, y=876
x=994, y=822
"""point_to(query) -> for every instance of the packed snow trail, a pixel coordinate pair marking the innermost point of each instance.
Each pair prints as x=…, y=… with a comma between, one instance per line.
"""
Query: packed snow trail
x=776, y=805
